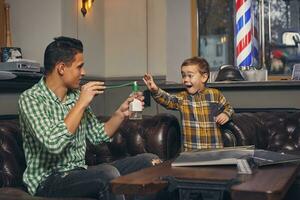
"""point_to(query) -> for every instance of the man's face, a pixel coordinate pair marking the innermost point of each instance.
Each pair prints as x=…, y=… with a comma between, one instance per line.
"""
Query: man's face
x=192, y=79
x=74, y=72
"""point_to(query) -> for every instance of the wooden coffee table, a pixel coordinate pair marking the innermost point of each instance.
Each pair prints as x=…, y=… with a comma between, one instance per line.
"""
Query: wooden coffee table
x=266, y=183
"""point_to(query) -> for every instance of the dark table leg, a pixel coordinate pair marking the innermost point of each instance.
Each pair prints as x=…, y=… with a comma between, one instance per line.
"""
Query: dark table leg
x=199, y=190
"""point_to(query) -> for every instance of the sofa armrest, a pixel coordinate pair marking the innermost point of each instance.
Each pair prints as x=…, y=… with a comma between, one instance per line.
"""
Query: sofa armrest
x=229, y=138
x=162, y=135
x=246, y=129
x=12, y=159
x=159, y=134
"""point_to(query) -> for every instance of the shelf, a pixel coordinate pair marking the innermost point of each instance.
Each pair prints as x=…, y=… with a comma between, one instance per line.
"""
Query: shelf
x=245, y=85
x=21, y=82
x=25, y=80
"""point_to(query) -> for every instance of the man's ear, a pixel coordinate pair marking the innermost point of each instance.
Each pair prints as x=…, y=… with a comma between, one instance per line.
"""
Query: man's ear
x=60, y=68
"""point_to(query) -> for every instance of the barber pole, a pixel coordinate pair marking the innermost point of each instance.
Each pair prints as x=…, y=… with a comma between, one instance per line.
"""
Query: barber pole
x=243, y=33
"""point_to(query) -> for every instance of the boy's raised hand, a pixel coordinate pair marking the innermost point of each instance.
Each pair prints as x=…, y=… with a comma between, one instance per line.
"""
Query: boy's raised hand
x=148, y=79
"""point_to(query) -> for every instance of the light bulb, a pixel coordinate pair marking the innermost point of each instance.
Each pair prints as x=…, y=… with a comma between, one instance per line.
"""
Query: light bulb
x=89, y=4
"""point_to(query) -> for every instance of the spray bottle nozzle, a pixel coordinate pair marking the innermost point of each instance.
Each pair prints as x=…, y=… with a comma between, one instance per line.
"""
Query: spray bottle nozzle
x=135, y=86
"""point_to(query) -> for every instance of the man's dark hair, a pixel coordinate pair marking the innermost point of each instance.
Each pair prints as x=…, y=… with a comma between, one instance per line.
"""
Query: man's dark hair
x=201, y=63
x=62, y=49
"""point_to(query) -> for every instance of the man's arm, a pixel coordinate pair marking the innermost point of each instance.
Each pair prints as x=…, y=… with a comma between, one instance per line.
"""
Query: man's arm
x=88, y=92
x=98, y=131
x=37, y=120
x=113, y=123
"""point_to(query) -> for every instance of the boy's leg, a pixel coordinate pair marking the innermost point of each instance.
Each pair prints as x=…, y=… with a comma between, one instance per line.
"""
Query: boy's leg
x=93, y=183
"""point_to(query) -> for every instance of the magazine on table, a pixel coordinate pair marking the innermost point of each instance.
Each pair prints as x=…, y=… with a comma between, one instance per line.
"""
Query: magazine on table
x=231, y=156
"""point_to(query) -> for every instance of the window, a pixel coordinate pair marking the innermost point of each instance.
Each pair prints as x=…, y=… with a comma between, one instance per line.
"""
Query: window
x=215, y=18
x=277, y=36
x=219, y=50
x=282, y=44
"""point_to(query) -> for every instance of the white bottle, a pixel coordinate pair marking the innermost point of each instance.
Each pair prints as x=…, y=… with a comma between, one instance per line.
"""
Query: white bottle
x=135, y=107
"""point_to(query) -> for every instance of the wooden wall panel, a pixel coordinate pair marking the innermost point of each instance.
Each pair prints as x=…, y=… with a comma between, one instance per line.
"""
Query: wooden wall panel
x=194, y=27
x=2, y=24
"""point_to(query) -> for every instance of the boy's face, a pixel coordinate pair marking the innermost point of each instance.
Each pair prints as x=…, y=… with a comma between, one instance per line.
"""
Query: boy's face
x=192, y=79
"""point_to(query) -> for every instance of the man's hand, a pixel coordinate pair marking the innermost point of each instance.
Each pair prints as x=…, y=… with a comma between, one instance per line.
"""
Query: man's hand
x=121, y=113
x=222, y=118
x=89, y=91
x=148, y=79
x=123, y=110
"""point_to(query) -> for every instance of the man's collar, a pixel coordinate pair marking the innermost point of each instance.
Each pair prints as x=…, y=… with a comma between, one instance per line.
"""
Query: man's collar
x=70, y=98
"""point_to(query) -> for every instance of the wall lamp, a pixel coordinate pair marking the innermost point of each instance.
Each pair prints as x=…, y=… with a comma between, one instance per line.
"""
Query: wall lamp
x=85, y=6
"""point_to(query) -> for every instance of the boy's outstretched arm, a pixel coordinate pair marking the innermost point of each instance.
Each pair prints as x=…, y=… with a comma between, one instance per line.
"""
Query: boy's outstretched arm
x=148, y=80
x=160, y=96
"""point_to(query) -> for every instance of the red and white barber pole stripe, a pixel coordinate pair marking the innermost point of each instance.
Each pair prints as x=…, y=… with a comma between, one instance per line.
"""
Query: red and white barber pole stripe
x=245, y=30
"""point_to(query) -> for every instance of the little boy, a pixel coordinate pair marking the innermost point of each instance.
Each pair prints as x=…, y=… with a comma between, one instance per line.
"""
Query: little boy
x=202, y=109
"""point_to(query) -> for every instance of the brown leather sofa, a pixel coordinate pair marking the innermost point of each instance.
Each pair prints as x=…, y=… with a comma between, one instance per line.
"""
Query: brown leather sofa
x=159, y=134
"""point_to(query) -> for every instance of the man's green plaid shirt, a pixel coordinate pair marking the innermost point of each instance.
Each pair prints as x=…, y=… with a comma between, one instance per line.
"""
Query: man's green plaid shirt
x=47, y=143
x=198, y=112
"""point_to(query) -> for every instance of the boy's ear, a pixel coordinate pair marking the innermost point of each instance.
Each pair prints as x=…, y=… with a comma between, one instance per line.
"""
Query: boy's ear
x=204, y=77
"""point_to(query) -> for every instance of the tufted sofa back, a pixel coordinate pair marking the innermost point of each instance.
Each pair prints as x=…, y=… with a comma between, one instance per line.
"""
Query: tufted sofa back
x=12, y=160
x=159, y=134
x=272, y=130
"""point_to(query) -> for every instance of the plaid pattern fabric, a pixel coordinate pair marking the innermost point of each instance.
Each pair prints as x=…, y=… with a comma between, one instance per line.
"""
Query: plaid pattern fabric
x=47, y=143
x=198, y=112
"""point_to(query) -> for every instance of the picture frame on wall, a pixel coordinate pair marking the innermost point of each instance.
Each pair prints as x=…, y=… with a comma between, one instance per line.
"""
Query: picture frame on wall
x=10, y=53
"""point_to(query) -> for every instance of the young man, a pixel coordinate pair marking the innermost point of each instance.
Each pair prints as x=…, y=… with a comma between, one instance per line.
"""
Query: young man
x=202, y=109
x=56, y=120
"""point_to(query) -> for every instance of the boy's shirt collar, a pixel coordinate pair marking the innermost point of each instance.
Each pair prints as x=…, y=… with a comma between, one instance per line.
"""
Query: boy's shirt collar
x=198, y=92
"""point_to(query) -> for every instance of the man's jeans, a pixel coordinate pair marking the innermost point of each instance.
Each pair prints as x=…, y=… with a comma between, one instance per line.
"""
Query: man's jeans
x=94, y=181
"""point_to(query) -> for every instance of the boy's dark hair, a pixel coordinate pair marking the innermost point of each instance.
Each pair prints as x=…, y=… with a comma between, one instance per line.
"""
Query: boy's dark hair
x=62, y=49
x=202, y=64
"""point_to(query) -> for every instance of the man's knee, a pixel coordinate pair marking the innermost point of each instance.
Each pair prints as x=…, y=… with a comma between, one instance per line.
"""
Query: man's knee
x=105, y=171
x=149, y=159
x=111, y=172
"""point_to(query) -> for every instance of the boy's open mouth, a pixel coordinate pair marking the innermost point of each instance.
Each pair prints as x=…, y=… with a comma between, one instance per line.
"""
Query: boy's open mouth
x=188, y=86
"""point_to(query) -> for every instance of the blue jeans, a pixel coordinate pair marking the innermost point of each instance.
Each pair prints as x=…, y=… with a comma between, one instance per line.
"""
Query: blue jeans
x=93, y=182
